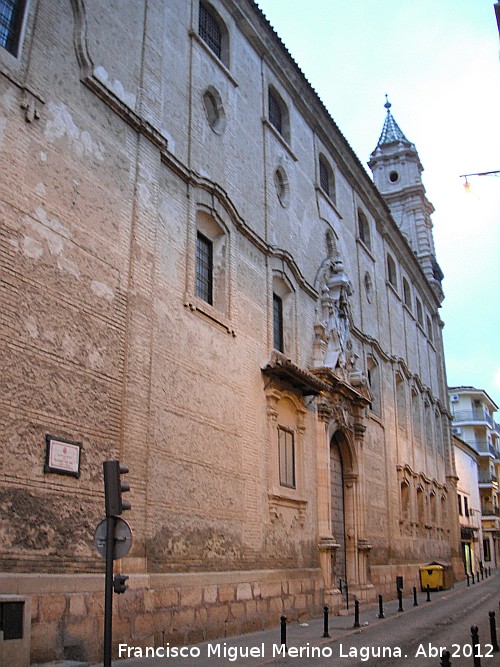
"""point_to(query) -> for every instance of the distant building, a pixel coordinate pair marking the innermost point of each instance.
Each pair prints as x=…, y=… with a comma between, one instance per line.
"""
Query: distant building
x=469, y=505
x=473, y=421
x=200, y=279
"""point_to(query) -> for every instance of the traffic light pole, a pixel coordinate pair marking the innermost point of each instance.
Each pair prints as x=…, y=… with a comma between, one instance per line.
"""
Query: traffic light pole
x=108, y=590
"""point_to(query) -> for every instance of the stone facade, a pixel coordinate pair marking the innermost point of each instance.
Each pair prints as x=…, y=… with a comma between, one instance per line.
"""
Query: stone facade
x=284, y=430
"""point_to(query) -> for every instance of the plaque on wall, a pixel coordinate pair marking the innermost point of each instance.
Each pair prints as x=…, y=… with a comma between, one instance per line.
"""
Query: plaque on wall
x=62, y=456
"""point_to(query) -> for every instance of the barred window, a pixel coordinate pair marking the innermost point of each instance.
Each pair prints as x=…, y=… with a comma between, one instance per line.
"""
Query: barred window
x=278, y=323
x=324, y=176
x=204, y=268
x=286, y=447
x=209, y=30
x=275, y=115
x=11, y=18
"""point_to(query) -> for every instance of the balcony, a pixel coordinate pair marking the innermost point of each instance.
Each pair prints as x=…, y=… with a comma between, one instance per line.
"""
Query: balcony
x=484, y=447
x=470, y=416
x=490, y=511
x=488, y=478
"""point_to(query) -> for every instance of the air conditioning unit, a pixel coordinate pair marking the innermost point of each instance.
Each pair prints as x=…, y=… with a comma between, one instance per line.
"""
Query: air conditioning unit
x=454, y=398
x=457, y=431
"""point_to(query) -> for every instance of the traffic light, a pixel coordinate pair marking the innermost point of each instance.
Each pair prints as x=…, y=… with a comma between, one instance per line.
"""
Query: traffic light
x=119, y=585
x=114, y=486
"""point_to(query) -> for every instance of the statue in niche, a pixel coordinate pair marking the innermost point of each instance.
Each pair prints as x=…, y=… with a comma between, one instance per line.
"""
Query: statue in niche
x=333, y=346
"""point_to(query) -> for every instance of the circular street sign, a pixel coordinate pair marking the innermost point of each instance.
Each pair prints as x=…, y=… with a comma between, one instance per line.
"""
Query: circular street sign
x=123, y=538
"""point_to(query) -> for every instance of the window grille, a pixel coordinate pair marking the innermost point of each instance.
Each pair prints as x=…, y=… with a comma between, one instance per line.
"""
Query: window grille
x=209, y=30
x=11, y=14
x=278, y=323
x=324, y=177
x=286, y=447
x=275, y=115
x=204, y=268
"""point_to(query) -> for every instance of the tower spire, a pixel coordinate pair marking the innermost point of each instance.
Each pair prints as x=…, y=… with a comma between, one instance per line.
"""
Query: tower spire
x=397, y=173
x=391, y=132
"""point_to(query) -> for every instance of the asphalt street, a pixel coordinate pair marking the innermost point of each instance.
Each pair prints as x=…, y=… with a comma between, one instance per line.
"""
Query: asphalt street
x=414, y=637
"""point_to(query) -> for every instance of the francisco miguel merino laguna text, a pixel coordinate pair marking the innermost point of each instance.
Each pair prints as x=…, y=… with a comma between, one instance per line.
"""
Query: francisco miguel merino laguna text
x=233, y=653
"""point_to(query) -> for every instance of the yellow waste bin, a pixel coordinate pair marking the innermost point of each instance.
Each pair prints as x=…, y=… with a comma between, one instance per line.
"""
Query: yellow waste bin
x=432, y=575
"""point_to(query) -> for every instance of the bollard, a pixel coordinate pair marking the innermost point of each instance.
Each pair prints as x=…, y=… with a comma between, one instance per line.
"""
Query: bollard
x=475, y=645
x=356, y=614
x=468, y=581
x=482, y=574
x=428, y=593
x=473, y=580
x=477, y=576
x=283, y=631
x=489, y=570
x=485, y=572
x=445, y=659
x=346, y=595
x=400, y=599
x=493, y=631
x=380, y=607
x=325, y=621
x=415, y=603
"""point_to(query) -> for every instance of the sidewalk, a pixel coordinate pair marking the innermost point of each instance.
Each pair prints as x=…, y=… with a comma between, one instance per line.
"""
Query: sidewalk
x=264, y=647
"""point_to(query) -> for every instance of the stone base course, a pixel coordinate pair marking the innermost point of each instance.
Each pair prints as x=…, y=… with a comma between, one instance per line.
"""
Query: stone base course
x=67, y=610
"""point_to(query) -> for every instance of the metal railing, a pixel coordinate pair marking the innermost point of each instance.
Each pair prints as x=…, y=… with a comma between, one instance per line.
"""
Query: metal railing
x=490, y=511
x=472, y=416
x=487, y=477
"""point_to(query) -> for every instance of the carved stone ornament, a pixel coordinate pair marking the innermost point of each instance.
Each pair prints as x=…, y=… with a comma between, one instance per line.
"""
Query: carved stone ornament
x=333, y=346
x=342, y=414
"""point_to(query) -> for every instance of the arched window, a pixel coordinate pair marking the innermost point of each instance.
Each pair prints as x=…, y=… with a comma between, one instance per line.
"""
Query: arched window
x=391, y=271
x=364, y=229
x=433, y=507
x=415, y=413
x=400, y=401
x=420, y=312
x=429, y=438
x=406, y=293
x=283, y=315
x=213, y=32
x=405, y=500
x=278, y=113
x=429, y=328
x=211, y=262
x=421, y=508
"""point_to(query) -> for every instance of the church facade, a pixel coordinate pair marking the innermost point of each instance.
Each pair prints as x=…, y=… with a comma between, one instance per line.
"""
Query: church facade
x=200, y=279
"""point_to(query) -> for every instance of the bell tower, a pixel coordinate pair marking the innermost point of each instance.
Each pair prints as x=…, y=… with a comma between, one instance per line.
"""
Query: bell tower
x=397, y=173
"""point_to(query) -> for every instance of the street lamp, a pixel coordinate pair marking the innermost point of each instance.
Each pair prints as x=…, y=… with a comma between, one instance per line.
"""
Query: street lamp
x=479, y=173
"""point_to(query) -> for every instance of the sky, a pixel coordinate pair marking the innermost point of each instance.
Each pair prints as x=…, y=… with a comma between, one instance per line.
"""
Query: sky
x=439, y=63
